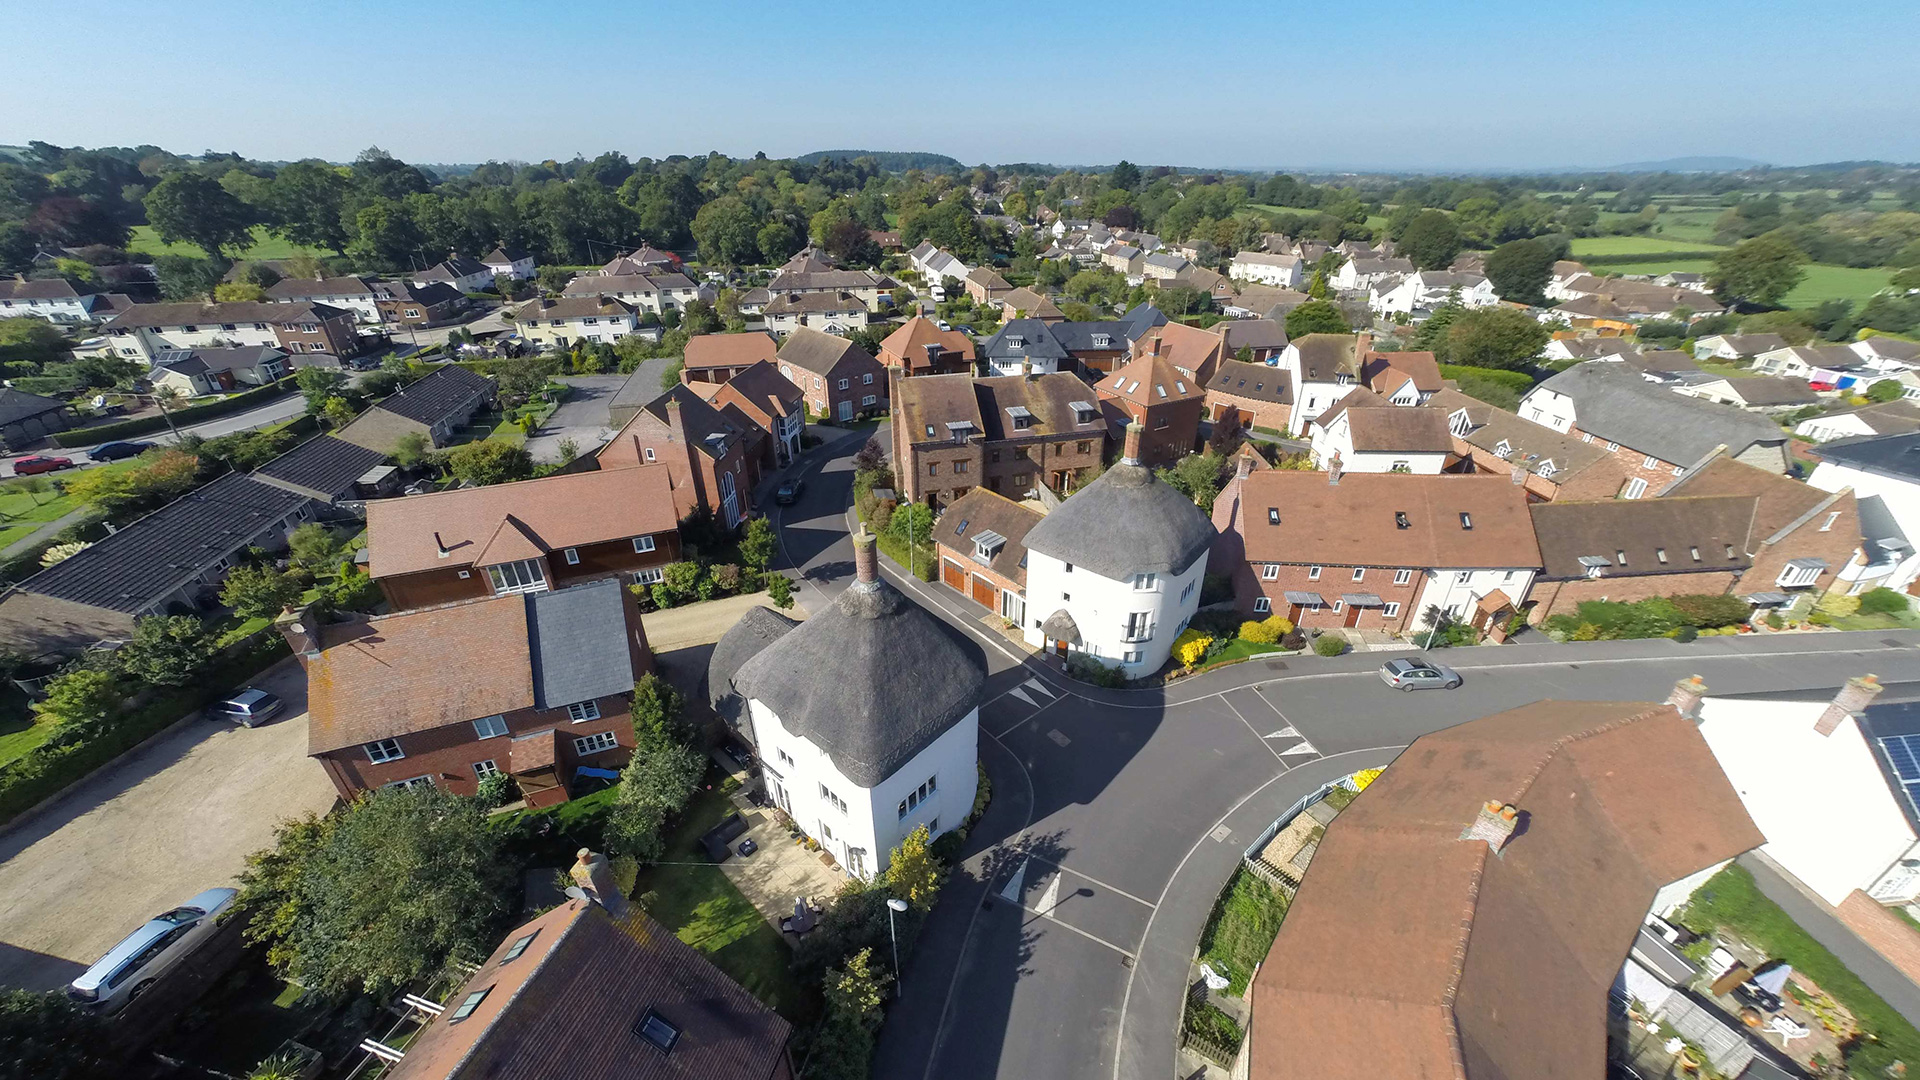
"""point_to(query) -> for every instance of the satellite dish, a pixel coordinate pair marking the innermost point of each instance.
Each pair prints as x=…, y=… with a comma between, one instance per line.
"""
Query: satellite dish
x=575, y=892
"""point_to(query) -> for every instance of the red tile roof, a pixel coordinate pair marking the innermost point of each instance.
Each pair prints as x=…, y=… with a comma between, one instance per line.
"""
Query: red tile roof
x=729, y=350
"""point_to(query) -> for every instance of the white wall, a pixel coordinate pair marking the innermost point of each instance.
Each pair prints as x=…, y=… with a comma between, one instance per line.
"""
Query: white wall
x=364, y=308
x=861, y=837
x=65, y=309
x=1443, y=588
x=1100, y=607
x=1822, y=802
x=606, y=328
x=1339, y=438
x=1285, y=277
x=144, y=342
x=1903, y=502
x=1554, y=409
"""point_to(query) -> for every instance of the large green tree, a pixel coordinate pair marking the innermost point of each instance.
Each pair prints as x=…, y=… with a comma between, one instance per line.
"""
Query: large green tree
x=490, y=461
x=1496, y=337
x=1316, y=317
x=189, y=207
x=402, y=881
x=307, y=198
x=728, y=232
x=167, y=650
x=1520, y=269
x=1759, y=271
x=46, y=1037
x=1431, y=240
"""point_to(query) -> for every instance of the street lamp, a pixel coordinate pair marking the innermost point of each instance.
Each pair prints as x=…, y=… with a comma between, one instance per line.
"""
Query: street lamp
x=894, y=904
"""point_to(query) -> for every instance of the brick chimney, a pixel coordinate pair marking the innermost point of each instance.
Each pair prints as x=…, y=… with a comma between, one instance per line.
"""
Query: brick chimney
x=1362, y=347
x=594, y=876
x=1852, y=700
x=1243, y=466
x=1334, y=468
x=302, y=632
x=866, y=560
x=1130, y=454
x=1495, y=823
x=1687, y=695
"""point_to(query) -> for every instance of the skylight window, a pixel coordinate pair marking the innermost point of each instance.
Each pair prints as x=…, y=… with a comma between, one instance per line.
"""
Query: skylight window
x=471, y=1003
x=519, y=947
x=1273, y=515
x=657, y=1030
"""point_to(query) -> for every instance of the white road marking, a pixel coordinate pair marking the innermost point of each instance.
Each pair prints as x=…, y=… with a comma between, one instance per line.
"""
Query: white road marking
x=1082, y=874
x=1011, y=892
x=1051, y=898
x=1250, y=728
x=1304, y=747
x=1057, y=736
x=1064, y=925
x=1016, y=692
x=1285, y=733
x=1038, y=687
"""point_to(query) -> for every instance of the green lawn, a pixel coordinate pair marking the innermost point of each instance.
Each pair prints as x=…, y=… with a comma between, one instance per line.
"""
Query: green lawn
x=1241, y=930
x=265, y=246
x=704, y=909
x=1822, y=283
x=1725, y=371
x=19, y=735
x=1240, y=649
x=21, y=513
x=1633, y=245
x=1898, y=620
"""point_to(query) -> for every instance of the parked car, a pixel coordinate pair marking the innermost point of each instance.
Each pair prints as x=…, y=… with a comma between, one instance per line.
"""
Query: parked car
x=1418, y=675
x=114, y=451
x=248, y=708
x=28, y=466
x=363, y=363
x=144, y=955
x=944, y=325
x=789, y=491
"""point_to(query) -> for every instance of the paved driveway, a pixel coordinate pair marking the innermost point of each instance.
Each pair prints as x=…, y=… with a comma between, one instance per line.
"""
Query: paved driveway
x=177, y=817
x=582, y=417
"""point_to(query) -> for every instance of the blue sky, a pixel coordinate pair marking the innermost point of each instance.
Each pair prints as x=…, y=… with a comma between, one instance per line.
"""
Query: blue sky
x=1392, y=83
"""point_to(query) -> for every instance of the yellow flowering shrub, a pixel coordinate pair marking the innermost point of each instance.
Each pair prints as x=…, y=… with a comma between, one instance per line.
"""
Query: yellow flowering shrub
x=1190, y=646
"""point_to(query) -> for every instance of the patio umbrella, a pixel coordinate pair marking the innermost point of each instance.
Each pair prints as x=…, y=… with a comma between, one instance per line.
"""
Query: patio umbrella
x=1774, y=979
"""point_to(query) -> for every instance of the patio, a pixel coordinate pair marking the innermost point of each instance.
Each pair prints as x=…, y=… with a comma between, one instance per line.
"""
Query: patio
x=780, y=870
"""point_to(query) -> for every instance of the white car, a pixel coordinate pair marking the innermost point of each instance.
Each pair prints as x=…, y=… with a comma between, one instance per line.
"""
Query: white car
x=144, y=955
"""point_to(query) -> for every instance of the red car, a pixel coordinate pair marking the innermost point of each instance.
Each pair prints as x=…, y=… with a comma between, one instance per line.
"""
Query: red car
x=27, y=466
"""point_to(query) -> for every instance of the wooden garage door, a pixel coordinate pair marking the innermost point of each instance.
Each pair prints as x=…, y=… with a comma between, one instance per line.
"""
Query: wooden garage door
x=985, y=594
x=952, y=575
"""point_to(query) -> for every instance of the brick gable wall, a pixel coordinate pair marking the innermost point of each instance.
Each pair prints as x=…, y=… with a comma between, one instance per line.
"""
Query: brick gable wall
x=448, y=753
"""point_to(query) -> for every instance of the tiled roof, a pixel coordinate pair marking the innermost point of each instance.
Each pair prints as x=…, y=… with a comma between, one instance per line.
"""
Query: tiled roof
x=590, y=306
x=1358, y=520
x=1496, y=965
x=1529, y=445
x=1149, y=380
x=302, y=288
x=1782, y=500
x=324, y=468
x=910, y=341
x=729, y=350
x=151, y=557
x=210, y=315
x=981, y=511
x=1646, y=529
x=554, y=512
x=38, y=289
x=764, y=390
x=439, y=394
x=707, y=428
x=1251, y=333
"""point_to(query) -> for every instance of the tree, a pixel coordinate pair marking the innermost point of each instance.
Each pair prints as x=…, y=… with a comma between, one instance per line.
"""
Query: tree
x=843, y=1048
x=757, y=545
x=126, y=494
x=658, y=715
x=654, y=786
x=521, y=378
x=490, y=461
x=79, y=702
x=183, y=277
x=336, y=412
x=1197, y=475
x=1520, y=269
x=777, y=241
x=231, y=291
x=1496, y=337
x=31, y=340
x=387, y=892
x=727, y=232
x=167, y=650
x=1125, y=176
x=912, y=524
x=411, y=449
x=307, y=198
x=1431, y=240
x=189, y=207
x=1758, y=271
x=46, y=1037
x=780, y=590
x=319, y=385
x=914, y=873
x=1316, y=317
x=260, y=592
x=313, y=548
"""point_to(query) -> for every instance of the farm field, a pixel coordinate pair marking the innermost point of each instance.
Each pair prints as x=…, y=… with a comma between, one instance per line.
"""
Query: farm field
x=265, y=246
x=1821, y=284
x=1634, y=245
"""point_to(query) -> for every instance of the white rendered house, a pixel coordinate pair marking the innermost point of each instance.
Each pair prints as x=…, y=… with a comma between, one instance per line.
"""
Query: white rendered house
x=866, y=717
x=1114, y=573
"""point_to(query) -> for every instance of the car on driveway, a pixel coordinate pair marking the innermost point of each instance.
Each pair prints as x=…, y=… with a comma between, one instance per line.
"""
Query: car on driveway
x=114, y=451
x=144, y=955
x=789, y=491
x=248, y=708
x=27, y=466
x=1415, y=674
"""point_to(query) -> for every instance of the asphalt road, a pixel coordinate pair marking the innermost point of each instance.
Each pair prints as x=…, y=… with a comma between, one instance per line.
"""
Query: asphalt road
x=1117, y=816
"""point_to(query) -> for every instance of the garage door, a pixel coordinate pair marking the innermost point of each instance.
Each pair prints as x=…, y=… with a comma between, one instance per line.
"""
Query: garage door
x=952, y=575
x=985, y=594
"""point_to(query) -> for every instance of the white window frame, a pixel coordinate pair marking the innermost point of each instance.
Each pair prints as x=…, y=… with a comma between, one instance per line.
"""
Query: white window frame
x=652, y=575
x=490, y=727
x=381, y=751
x=582, y=711
x=647, y=451
x=1401, y=577
x=1146, y=583
x=597, y=743
x=497, y=576
x=1392, y=610
x=1270, y=571
x=409, y=782
x=1359, y=574
x=1461, y=577
x=484, y=769
x=573, y=556
x=642, y=544
x=1313, y=573
x=843, y=384
x=1262, y=605
x=1827, y=525
x=1636, y=487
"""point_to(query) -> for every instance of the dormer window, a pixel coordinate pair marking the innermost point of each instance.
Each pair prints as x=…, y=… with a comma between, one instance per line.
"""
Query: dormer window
x=1595, y=565
x=1620, y=557
x=1102, y=341
x=1503, y=448
x=1016, y=341
x=987, y=545
x=1459, y=423
x=1022, y=419
x=1083, y=412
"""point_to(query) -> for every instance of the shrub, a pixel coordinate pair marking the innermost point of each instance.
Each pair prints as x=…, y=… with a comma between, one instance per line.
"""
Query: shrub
x=1838, y=604
x=1774, y=621
x=1586, y=631
x=1881, y=601
x=1701, y=609
x=1329, y=644
x=1685, y=634
x=780, y=590
x=1819, y=618
x=1089, y=670
x=1265, y=631
x=1294, y=640
x=1190, y=646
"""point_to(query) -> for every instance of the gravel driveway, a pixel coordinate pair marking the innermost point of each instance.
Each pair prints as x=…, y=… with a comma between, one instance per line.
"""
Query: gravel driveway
x=178, y=816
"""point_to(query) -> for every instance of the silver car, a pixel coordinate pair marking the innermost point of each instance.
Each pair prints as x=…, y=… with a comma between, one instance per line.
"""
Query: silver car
x=1418, y=675
x=144, y=955
x=247, y=708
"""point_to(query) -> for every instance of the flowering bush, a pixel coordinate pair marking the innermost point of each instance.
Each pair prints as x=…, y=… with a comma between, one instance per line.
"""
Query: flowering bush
x=1190, y=646
x=1265, y=631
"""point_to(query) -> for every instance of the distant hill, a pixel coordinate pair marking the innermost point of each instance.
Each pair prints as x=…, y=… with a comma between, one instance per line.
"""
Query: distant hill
x=1689, y=164
x=890, y=160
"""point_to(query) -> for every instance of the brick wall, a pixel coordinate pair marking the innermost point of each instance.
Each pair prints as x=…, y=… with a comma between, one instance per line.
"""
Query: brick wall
x=1633, y=463
x=1836, y=545
x=1562, y=597
x=1250, y=583
x=448, y=753
x=1264, y=414
x=1172, y=429
x=1883, y=931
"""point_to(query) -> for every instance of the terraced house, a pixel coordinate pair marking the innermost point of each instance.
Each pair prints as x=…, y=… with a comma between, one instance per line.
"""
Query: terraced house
x=144, y=331
x=713, y=463
x=1009, y=434
x=571, y=319
x=839, y=378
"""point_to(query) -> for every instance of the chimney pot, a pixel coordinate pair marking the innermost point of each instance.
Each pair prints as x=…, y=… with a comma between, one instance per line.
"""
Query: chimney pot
x=440, y=546
x=1687, y=695
x=866, y=560
x=300, y=629
x=1495, y=823
x=1852, y=700
x=1244, y=467
x=1334, y=468
x=594, y=876
x=1130, y=454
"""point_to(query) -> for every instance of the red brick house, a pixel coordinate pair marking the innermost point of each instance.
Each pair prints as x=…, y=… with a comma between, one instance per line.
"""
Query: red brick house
x=920, y=347
x=714, y=461
x=982, y=543
x=839, y=379
x=1802, y=536
x=762, y=397
x=1553, y=465
x=1192, y=351
x=1164, y=401
x=1247, y=396
x=716, y=358
x=529, y=536
x=537, y=686
x=1632, y=549
x=1374, y=550
x=1009, y=434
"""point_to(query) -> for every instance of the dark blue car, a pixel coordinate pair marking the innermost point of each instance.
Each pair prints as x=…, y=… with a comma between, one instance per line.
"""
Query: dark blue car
x=114, y=451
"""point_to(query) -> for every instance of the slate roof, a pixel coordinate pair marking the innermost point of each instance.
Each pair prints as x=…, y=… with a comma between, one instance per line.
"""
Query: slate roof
x=1613, y=402
x=1529, y=445
x=1497, y=966
x=1644, y=528
x=18, y=405
x=1897, y=456
x=448, y=270
x=1893, y=348
x=197, y=361
x=758, y=628
x=1126, y=522
x=439, y=394
x=1257, y=381
x=872, y=680
x=570, y=1005
x=1027, y=339
x=577, y=640
x=153, y=556
x=1251, y=333
x=324, y=468
x=245, y=311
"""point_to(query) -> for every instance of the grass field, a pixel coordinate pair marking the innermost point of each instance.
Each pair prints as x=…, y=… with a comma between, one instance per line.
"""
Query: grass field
x=1821, y=284
x=22, y=513
x=1633, y=245
x=265, y=246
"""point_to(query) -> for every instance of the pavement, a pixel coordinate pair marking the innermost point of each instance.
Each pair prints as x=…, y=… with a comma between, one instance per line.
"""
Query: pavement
x=582, y=417
x=1061, y=945
x=175, y=817
x=780, y=871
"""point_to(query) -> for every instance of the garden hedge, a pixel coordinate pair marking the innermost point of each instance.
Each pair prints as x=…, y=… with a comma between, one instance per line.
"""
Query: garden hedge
x=146, y=425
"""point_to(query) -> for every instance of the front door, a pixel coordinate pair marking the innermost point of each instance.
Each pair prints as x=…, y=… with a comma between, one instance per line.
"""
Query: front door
x=1293, y=614
x=1060, y=649
x=779, y=794
x=846, y=410
x=1353, y=616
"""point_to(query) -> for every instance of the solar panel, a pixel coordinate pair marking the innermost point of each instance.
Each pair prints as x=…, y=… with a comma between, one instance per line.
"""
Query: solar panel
x=1900, y=750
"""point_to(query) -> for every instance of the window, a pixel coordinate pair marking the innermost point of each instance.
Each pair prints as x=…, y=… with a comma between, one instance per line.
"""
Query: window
x=1132, y=656
x=843, y=384
x=518, y=577
x=484, y=769
x=651, y=576
x=1636, y=487
x=1082, y=447
x=1651, y=462
x=1401, y=577
x=597, y=743
x=1695, y=552
x=489, y=727
x=1392, y=609
x=1270, y=572
x=918, y=795
x=1586, y=436
x=471, y=1003
x=1679, y=471
x=867, y=379
x=1827, y=525
x=1660, y=554
x=785, y=757
x=1800, y=572
x=1146, y=582
x=1401, y=466
x=1066, y=568
x=1163, y=421
x=1273, y=515
x=1021, y=480
x=1729, y=551
x=1503, y=448
x=959, y=466
x=1261, y=605
x=656, y=1030
x=1339, y=606
x=839, y=803
x=383, y=751
x=933, y=468
x=1313, y=573
x=582, y=711
x=1462, y=577
x=869, y=400
x=648, y=451
x=1359, y=573
x=409, y=782
x=1620, y=557
x=573, y=556
x=519, y=948
x=1612, y=446
x=1139, y=628
x=643, y=543
x=1187, y=592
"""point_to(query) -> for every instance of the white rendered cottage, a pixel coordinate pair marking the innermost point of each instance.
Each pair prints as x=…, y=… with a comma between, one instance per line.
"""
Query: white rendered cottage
x=1119, y=566
x=866, y=717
